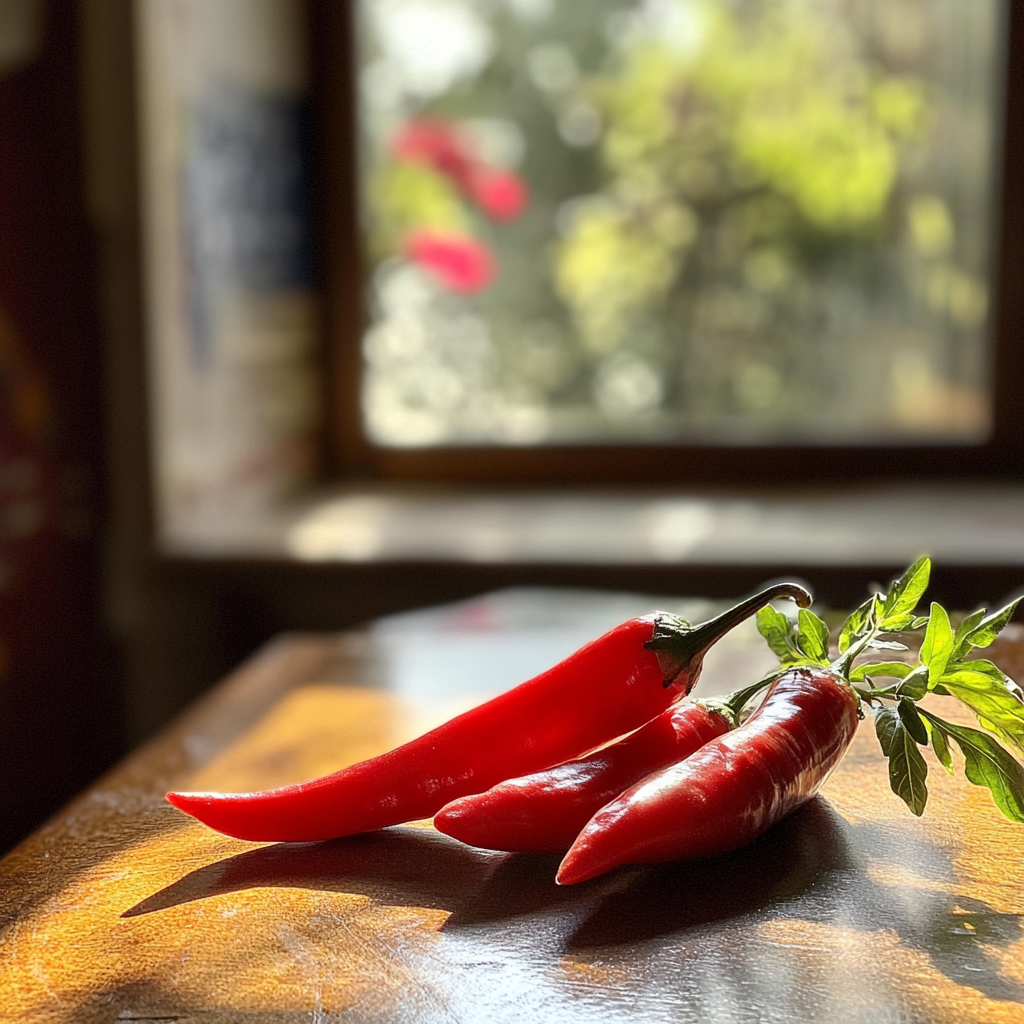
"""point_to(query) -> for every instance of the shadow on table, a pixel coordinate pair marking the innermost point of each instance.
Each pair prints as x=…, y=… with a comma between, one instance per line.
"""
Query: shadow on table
x=419, y=867
x=396, y=866
x=809, y=867
x=802, y=853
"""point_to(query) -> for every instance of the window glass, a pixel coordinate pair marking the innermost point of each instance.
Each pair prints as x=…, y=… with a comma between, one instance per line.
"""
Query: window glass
x=678, y=221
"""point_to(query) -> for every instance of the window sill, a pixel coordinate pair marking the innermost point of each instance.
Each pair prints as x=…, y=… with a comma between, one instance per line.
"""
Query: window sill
x=957, y=523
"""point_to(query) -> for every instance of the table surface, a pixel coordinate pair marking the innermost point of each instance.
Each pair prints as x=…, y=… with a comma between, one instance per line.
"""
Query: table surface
x=853, y=910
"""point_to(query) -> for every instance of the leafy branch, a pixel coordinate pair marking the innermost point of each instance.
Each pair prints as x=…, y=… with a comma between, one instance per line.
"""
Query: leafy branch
x=943, y=667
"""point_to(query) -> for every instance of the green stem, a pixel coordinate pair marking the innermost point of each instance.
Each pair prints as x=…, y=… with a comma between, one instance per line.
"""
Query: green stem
x=869, y=695
x=731, y=706
x=844, y=663
x=681, y=647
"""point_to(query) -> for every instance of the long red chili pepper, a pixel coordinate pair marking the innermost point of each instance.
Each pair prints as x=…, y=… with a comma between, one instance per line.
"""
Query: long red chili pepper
x=607, y=688
x=545, y=812
x=732, y=788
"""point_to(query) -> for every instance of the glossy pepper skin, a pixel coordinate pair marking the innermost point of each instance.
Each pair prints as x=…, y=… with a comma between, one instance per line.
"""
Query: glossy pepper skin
x=732, y=788
x=607, y=688
x=544, y=812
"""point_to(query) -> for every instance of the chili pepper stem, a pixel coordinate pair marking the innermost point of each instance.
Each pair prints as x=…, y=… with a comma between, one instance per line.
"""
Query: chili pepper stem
x=731, y=706
x=844, y=663
x=681, y=647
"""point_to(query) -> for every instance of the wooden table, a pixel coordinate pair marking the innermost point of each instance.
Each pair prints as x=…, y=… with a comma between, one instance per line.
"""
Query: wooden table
x=852, y=910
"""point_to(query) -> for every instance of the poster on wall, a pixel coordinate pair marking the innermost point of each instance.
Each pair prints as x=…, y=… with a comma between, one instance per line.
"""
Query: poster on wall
x=230, y=301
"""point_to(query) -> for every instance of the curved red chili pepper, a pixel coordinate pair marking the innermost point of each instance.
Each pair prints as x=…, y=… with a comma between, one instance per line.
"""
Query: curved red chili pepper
x=545, y=812
x=732, y=789
x=607, y=688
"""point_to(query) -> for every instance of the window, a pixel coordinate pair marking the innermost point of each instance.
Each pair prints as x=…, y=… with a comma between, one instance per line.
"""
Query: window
x=672, y=237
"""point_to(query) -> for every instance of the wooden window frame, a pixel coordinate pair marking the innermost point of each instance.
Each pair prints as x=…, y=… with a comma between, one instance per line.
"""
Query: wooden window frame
x=348, y=454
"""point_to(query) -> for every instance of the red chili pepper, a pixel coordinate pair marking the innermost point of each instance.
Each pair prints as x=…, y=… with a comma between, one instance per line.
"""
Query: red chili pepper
x=607, y=688
x=732, y=789
x=545, y=812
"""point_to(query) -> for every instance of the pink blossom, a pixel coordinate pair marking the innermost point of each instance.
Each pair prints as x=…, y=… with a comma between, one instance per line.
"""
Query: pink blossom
x=460, y=263
x=439, y=145
x=502, y=195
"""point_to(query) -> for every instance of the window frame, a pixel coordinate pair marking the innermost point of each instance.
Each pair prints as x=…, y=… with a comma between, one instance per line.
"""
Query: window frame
x=347, y=453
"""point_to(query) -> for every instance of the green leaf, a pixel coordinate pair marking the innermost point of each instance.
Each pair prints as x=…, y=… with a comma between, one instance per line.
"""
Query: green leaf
x=912, y=721
x=886, y=645
x=987, y=764
x=985, y=630
x=986, y=668
x=918, y=621
x=884, y=669
x=895, y=623
x=812, y=636
x=915, y=684
x=940, y=744
x=854, y=625
x=937, y=646
x=961, y=645
x=886, y=723
x=907, y=768
x=995, y=699
x=906, y=592
x=777, y=629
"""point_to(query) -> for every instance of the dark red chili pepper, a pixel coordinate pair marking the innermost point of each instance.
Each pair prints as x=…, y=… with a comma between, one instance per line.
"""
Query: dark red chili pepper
x=607, y=688
x=544, y=812
x=732, y=788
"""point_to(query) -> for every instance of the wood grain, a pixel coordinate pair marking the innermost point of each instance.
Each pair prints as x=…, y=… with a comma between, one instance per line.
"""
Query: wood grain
x=852, y=910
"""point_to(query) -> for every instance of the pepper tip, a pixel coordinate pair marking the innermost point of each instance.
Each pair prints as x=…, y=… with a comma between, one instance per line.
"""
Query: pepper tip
x=569, y=873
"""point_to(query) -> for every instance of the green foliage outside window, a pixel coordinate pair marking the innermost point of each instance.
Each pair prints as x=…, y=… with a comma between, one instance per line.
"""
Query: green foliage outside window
x=748, y=219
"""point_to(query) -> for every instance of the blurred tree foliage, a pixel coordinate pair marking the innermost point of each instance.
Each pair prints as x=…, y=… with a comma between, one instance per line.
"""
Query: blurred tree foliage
x=736, y=226
x=738, y=170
